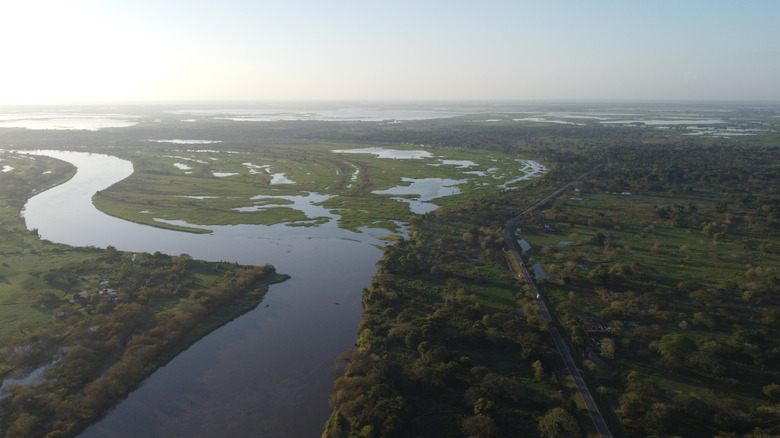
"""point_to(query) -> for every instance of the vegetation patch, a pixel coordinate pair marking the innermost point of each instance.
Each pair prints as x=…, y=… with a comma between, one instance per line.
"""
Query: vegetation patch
x=677, y=261
x=182, y=186
x=94, y=322
x=443, y=349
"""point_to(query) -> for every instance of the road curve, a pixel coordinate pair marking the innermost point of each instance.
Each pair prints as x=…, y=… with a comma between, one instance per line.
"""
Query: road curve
x=558, y=339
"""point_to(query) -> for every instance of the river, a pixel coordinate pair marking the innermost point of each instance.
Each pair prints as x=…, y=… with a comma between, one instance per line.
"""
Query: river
x=266, y=374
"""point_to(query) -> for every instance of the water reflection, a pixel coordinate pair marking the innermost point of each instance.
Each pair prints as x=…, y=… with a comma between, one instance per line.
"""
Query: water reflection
x=425, y=190
x=395, y=154
x=307, y=204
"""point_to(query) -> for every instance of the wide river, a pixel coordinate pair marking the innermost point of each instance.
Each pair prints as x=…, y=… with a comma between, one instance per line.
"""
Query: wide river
x=266, y=374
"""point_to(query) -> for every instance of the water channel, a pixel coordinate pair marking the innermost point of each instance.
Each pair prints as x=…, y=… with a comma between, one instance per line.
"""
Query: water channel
x=266, y=374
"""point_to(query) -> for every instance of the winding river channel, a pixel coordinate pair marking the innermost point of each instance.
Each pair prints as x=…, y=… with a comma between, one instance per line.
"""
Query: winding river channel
x=266, y=374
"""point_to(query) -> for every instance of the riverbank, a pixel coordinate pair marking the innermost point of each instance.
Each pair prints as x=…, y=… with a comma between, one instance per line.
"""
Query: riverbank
x=131, y=315
x=241, y=305
x=84, y=317
x=299, y=331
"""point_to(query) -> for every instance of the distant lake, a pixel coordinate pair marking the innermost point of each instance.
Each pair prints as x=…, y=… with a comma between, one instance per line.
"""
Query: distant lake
x=93, y=118
x=424, y=189
x=65, y=120
x=268, y=373
x=659, y=115
x=347, y=113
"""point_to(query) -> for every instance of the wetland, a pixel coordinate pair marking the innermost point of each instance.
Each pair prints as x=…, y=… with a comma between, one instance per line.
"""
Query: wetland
x=250, y=209
x=383, y=225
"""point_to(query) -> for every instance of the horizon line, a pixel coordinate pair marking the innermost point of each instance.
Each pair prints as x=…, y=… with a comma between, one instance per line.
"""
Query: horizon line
x=463, y=101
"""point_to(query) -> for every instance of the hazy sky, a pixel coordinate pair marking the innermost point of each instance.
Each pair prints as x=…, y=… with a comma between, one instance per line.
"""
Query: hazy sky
x=162, y=50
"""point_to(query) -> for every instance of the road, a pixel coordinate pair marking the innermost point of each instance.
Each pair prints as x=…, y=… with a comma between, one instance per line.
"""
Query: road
x=558, y=340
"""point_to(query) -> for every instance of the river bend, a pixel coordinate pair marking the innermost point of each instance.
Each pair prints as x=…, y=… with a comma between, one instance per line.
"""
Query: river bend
x=266, y=374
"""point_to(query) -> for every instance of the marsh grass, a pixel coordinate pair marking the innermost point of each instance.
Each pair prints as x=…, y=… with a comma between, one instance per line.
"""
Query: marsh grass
x=158, y=189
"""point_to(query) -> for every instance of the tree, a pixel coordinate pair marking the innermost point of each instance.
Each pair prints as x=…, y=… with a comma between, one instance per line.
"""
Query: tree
x=538, y=371
x=607, y=348
x=558, y=423
x=574, y=325
x=598, y=239
x=772, y=391
x=707, y=362
x=478, y=426
x=676, y=346
x=24, y=426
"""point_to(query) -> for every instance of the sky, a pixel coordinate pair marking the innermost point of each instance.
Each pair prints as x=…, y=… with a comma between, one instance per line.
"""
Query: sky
x=91, y=51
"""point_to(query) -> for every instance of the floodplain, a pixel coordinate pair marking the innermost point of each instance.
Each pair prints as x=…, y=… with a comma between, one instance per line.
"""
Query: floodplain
x=669, y=253
x=305, y=185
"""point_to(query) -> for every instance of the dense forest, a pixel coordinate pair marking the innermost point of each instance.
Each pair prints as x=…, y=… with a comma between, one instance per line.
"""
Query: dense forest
x=662, y=268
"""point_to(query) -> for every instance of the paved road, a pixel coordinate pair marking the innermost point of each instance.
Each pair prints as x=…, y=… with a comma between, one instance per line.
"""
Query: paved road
x=558, y=339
